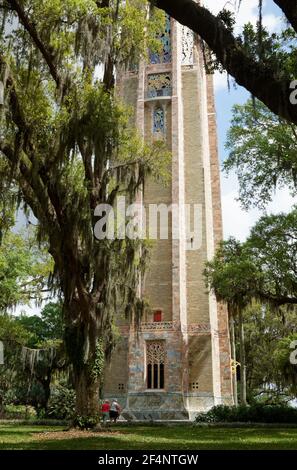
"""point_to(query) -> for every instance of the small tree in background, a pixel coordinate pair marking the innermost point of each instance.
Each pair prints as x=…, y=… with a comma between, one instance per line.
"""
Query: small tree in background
x=261, y=270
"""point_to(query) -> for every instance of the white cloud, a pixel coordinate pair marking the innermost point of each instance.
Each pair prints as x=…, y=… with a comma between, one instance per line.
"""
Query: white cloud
x=237, y=222
x=220, y=81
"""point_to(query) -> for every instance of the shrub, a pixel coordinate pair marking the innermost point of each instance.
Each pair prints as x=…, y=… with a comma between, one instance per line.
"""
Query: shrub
x=61, y=404
x=18, y=412
x=257, y=413
x=85, y=422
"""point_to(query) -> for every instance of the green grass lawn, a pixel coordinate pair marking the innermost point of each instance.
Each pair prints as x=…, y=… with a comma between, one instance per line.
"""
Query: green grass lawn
x=122, y=437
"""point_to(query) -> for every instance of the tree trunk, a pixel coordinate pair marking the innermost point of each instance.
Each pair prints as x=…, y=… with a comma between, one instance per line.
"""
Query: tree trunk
x=242, y=361
x=82, y=340
x=87, y=394
x=46, y=385
x=233, y=355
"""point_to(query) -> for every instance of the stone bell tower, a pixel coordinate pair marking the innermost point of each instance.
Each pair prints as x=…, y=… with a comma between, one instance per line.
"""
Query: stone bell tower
x=179, y=362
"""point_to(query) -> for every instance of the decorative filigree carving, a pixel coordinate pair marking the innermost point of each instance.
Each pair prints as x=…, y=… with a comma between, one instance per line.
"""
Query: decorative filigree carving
x=159, y=84
x=192, y=328
x=163, y=57
x=187, y=46
x=155, y=352
x=160, y=326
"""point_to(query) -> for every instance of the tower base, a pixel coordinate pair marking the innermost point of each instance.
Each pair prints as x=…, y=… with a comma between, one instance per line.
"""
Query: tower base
x=155, y=406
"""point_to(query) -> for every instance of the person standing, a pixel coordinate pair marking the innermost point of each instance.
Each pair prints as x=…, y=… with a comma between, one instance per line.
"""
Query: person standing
x=115, y=410
x=105, y=409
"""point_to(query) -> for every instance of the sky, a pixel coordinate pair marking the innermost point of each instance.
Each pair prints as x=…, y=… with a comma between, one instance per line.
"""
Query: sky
x=237, y=222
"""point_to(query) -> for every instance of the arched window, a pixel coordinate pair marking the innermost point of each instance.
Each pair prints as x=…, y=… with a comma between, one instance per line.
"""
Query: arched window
x=155, y=364
x=159, y=121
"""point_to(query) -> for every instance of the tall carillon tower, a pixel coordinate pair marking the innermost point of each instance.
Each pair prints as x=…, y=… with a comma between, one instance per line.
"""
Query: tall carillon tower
x=178, y=363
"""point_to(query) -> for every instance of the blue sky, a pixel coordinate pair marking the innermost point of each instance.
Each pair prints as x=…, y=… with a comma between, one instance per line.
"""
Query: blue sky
x=237, y=222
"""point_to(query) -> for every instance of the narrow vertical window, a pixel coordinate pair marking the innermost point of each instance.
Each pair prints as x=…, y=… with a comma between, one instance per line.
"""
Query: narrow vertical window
x=155, y=357
x=159, y=121
x=158, y=316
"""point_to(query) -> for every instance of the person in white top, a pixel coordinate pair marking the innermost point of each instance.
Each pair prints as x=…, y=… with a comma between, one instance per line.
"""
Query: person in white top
x=115, y=410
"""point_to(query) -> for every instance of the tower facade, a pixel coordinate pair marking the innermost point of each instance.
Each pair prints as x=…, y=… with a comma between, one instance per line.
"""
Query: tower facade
x=178, y=363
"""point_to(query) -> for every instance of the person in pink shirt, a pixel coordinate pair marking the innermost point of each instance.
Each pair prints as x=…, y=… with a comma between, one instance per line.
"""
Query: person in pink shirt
x=105, y=409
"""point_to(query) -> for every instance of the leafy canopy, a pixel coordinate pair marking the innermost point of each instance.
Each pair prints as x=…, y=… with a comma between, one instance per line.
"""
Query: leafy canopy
x=263, y=268
x=262, y=152
x=24, y=270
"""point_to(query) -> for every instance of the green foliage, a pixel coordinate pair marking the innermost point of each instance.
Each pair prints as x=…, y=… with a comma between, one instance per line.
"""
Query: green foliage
x=44, y=328
x=61, y=404
x=272, y=245
x=97, y=366
x=227, y=17
x=79, y=129
x=85, y=422
x=232, y=275
x=249, y=414
x=18, y=412
x=24, y=270
x=10, y=330
x=149, y=437
x=275, y=50
x=278, y=50
x=26, y=374
x=262, y=268
x=70, y=144
x=52, y=317
x=285, y=358
x=8, y=200
x=267, y=333
x=262, y=152
x=258, y=279
x=263, y=146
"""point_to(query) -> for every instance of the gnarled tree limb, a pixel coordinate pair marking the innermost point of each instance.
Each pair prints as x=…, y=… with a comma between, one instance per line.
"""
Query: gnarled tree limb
x=289, y=8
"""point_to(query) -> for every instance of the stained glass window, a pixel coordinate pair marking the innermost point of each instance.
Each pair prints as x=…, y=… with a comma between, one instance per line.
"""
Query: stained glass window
x=164, y=56
x=159, y=120
x=159, y=84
